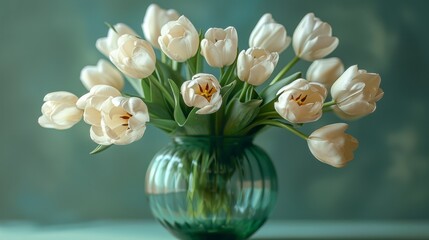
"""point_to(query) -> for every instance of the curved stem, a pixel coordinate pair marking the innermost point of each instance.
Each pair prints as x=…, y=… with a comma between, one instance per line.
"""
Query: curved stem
x=285, y=70
x=280, y=125
x=268, y=114
x=327, y=105
x=158, y=72
x=288, y=127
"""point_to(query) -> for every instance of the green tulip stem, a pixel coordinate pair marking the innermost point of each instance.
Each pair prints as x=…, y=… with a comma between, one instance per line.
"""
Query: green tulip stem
x=327, y=106
x=285, y=70
x=243, y=91
x=288, y=127
x=198, y=65
x=222, y=72
x=191, y=68
x=280, y=125
x=268, y=114
x=175, y=66
x=163, y=57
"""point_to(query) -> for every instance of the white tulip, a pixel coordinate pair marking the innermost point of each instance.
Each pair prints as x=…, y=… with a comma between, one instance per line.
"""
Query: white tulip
x=219, y=47
x=356, y=93
x=269, y=35
x=92, y=101
x=102, y=74
x=107, y=44
x=59, y=111
x=203, y=92
x=153, y=21
x=255, y=65
x=325, y=71
x=179, y=39
x=301, y=101
x=134, y=57
x=122, y=121
x=330, y=145
x=313, y=39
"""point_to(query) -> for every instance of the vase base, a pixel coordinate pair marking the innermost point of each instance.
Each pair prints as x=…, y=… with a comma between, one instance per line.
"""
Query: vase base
x=233, y=231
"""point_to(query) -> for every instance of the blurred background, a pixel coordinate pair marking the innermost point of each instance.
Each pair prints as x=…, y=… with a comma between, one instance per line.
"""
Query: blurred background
x=47, y=176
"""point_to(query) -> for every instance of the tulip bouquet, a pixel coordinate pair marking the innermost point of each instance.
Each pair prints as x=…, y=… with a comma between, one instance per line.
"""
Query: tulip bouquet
x=174, y=92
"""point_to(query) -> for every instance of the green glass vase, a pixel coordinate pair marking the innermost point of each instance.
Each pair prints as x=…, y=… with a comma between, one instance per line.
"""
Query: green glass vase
x=209, y=187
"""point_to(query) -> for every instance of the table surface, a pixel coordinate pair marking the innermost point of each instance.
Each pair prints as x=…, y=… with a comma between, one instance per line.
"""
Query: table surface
x=272, y=230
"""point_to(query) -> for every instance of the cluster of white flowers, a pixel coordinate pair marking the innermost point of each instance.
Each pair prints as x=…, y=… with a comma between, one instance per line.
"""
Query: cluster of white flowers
x=116, y=119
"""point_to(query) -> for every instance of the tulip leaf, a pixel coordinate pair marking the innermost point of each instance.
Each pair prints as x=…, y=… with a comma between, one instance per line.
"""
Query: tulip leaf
x=159, y=110
x=156, y=106
x=239, y=115
x=111, y=27
x=142, y=87
x=270, y=92
x=178, y=113
x=197, y=124
x=152, y=97
x=238, y=87
x=100, y=148
x=226, y=91
x=228, y=75
x=166, y=72
x=164, y=124
x=146, y=88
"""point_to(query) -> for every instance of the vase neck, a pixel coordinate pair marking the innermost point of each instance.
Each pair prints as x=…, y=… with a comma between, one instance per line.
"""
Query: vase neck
x=216, y=141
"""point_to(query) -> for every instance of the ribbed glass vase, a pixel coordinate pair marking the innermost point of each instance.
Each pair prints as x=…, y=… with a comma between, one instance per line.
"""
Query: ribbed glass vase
x=209, y=187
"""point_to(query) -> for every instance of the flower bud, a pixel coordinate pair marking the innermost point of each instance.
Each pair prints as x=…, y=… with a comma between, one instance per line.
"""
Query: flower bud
x=179, y=39
x=325, y=71
x=153, y=21
x=107, y=44
x=203, y=92
x=330, y=145
x=219, y=47
x=134, y=57
x=59, y=111
x=269, y=35
x=313, y=39
x=356, y=93
x=301, y=101
x=255, y=65
x=102, y=74
x=92, y=101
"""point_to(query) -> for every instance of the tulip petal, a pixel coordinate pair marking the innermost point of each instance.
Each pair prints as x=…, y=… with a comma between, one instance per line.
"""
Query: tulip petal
x=301, y=101
x=59, y=111
x=331, y=145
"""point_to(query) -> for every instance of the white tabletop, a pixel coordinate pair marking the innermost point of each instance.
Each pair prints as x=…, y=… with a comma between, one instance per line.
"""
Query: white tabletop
x=272, y=230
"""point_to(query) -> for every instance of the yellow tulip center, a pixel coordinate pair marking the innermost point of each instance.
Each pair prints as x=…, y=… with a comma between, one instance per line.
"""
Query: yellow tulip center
x=299, y=100
x=206, y=91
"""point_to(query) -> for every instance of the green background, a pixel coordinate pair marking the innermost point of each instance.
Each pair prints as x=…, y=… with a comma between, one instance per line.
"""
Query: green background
x=48, y=176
